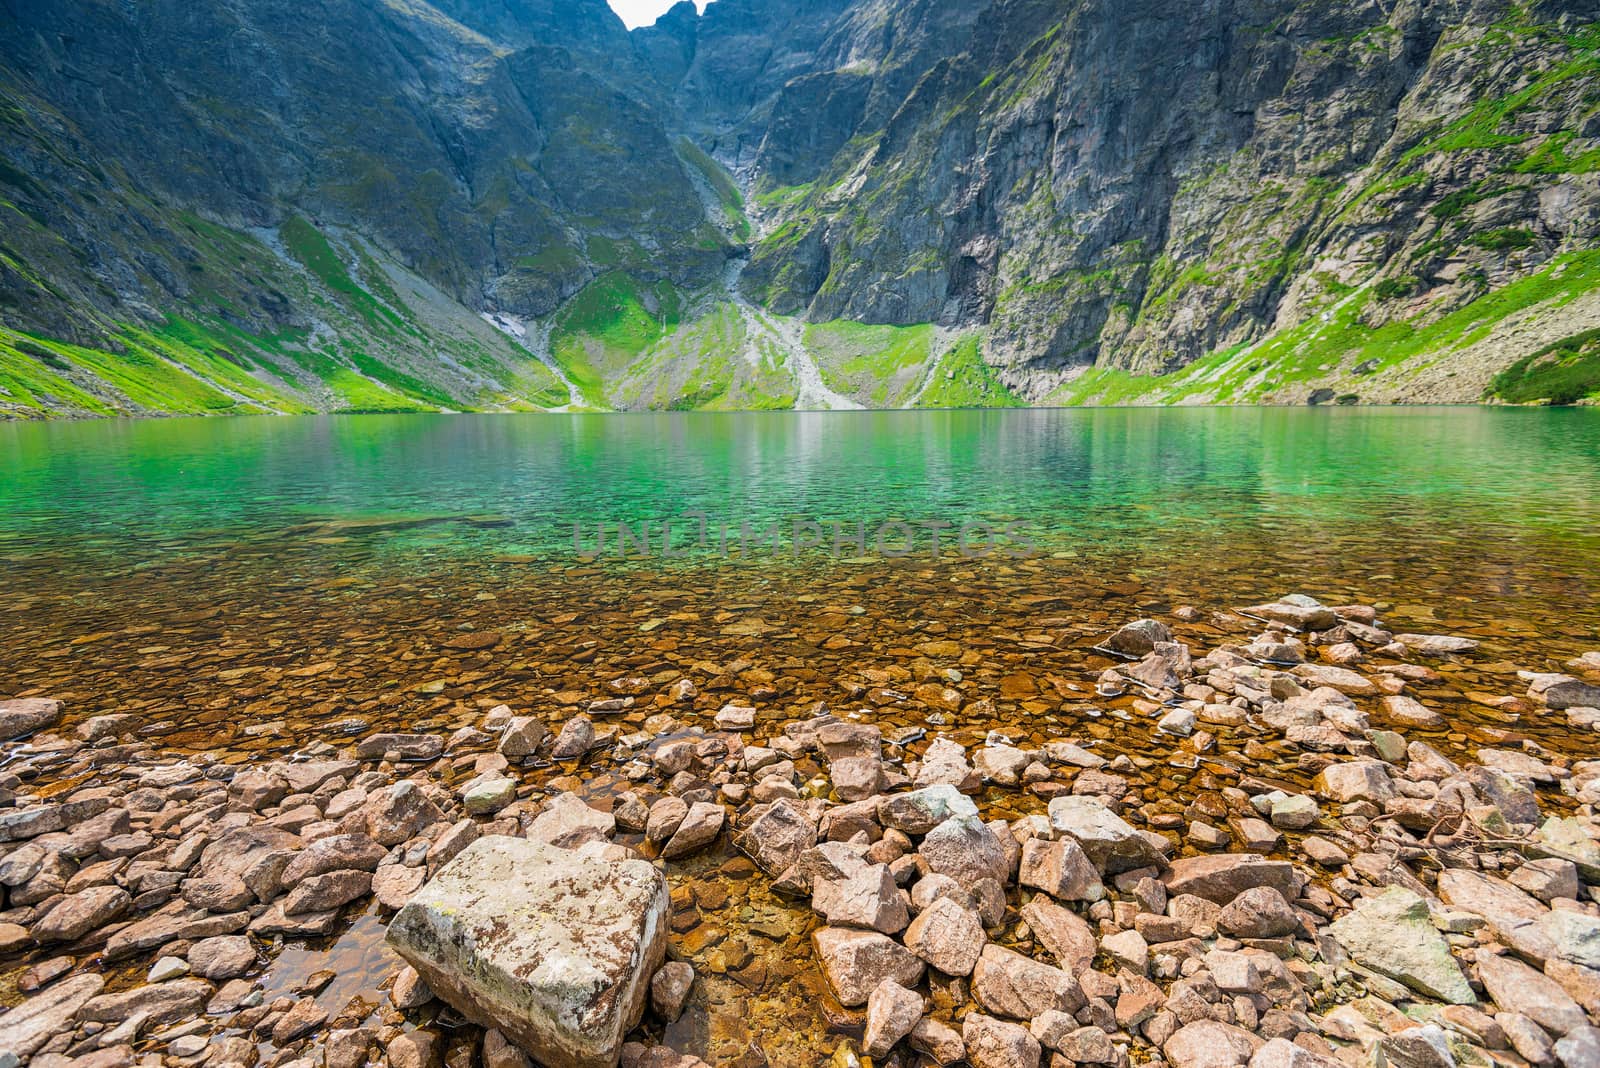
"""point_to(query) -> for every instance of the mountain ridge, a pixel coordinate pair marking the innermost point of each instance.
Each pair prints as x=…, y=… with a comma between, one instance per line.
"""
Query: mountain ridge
x=518, y=204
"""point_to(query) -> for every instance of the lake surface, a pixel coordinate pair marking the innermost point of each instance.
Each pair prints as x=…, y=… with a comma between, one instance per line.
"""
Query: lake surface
x=253, y=586
x=1156, y=483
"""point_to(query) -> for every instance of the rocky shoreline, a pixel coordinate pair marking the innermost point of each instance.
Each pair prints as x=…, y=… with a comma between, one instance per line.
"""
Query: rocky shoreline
x=1002, y=905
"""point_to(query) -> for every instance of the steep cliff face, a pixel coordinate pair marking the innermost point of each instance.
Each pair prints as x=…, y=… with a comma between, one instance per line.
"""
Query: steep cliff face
x=1138, y=185
x=723, y=72
x=487, y=163
x=227, y=205
x=505, y=160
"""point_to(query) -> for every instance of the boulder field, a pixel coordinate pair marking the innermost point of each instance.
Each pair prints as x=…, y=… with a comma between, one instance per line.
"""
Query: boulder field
x=1403, y=897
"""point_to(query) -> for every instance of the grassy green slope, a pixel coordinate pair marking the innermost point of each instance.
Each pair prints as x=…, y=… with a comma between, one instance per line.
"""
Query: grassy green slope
x=717, y=360
x=382, y=340
x=607, y=326
x=1563, y=372
x=729, y=197
x=629, y=345
x=1341, y=353
x=880, y=366
x=960, y=379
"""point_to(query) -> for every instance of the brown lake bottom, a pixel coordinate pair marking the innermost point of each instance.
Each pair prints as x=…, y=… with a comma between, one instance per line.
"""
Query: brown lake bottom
x=260, y=649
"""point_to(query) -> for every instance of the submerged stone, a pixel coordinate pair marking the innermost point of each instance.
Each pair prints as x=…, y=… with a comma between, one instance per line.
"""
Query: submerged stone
x=1139, y=637
x=855, y=962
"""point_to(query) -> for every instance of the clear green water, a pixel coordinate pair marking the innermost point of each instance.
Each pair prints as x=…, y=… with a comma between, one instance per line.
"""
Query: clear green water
x=1157, y=484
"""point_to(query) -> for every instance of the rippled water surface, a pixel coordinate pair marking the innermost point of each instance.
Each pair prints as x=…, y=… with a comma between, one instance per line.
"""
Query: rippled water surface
x=248, y=586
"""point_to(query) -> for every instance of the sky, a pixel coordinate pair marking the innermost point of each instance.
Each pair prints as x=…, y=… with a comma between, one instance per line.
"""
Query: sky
x=644, y=12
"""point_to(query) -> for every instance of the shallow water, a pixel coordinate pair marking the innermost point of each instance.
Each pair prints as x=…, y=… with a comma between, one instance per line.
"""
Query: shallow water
x=248, y=586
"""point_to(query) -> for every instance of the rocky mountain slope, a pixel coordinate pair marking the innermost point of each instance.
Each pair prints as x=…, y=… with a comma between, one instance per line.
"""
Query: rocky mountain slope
x=501, y=204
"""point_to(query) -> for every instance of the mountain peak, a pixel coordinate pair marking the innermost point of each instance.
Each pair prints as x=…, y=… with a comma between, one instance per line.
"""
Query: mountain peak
x=1050, y=201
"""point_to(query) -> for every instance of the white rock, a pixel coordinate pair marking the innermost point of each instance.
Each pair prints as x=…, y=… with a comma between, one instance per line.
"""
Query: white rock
x=1357, y=780
x=552, y=947
x=1392, y=935
x=736, y=718
x=1180, y=721
x=920, y=811
x=167, y=968
x=1113, y=844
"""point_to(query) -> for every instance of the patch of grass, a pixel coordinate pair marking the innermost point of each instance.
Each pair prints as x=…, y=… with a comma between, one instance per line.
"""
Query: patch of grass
x=1507, y=239
x=1104, y=387
x=1565, y=372
x=1390, y=183
x=1485, y=125
x=1165, y=293
x=194, y=346
x=364, y=397
x=1552, y=157
x=148, y=380
x=607, y=325
x=387, y=342
x=710, y=362
x=554, y=258
x=398, y=380
x=1452, y=205
x=1300, y=355
x=870, y=361
x=784, y=196
x=1394, y=288
x=963, y=380
x=357, y=393
x=31, y=383
x=615, y=309
x=608, y=253
x=307, y=245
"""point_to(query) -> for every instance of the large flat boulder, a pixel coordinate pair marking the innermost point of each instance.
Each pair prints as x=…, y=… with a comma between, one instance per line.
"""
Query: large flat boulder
x=1210, y=1044
x=1562, y=691
x=1392, y=934
x=36, y=1020
x=863, y=895
x=1297, y=610
x=1224, y=876
x=965, y=849
x=554, y=947
x=1515, y=987
x=776, y=835
x=1512, y=914
x=173, y=922
x=855, y=962
x=1567, y=839
x=24, y=715
x=1008, y=984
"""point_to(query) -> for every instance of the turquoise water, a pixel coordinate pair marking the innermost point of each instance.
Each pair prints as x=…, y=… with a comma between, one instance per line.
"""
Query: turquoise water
x=1154, y=483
